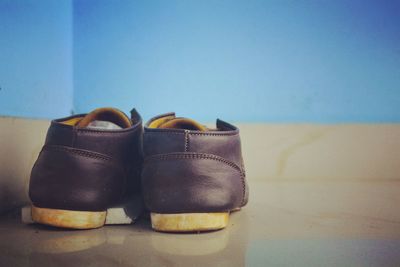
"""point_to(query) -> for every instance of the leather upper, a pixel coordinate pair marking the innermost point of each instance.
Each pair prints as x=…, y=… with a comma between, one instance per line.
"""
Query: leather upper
x=87, y=169
x=191, y=170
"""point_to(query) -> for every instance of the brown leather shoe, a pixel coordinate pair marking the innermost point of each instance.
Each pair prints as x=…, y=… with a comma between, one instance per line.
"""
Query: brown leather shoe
x=192, y=177
x=89, y=163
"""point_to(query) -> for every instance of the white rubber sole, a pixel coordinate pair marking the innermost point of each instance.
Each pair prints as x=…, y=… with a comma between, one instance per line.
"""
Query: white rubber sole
x=189, y=222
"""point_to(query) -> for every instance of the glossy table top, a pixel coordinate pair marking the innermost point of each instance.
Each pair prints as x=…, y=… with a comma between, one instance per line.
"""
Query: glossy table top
x=286, y=223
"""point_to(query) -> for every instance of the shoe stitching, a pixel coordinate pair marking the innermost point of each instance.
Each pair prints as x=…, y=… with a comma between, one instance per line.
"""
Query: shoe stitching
x=204, y=156
x=186, y=141
x=214, y=134
x=162, y=132
x=78, y=152
x=156, y=131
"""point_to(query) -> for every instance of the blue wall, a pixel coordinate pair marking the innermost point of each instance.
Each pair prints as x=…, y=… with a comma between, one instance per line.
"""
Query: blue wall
x=279, y=61
x=36, y=58
x=242, y=60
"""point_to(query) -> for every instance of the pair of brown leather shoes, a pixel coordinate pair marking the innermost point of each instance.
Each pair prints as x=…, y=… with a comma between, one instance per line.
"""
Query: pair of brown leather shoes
x=191, y=177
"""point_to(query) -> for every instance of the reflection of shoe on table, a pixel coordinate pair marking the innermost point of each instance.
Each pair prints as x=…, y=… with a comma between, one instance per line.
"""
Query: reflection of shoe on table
x=190, y=245
x=89, y=163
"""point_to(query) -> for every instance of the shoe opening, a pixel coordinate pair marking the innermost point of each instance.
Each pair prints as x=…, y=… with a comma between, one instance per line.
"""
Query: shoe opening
x=101, y=118
x=177, y=123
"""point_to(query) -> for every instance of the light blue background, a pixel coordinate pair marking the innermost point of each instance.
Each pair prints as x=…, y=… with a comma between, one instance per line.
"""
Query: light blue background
x=36, y=58
x=267, y=61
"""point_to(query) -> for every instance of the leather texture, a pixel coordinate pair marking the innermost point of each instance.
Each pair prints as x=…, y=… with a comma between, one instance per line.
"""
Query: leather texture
x=87, y=169
x=188, y=171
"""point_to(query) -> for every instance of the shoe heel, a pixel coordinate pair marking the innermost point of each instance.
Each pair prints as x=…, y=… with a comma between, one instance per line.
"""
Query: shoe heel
x=189, y=222
x=69, y=218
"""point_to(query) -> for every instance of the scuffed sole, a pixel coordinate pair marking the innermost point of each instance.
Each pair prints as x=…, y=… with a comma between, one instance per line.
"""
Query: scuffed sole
x=69, y=218
x=189, y=222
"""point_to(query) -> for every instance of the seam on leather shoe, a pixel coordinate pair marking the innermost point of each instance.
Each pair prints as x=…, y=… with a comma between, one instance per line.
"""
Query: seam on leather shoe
x=186, y=141
x=83, y=153
x=188, y=155
x=214, y=134
x=192, y=155
x=190, y=132
x=163, y=131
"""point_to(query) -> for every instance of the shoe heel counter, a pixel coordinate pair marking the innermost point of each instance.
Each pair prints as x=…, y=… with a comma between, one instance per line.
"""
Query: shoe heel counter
x=192, y=182
x=74, y=179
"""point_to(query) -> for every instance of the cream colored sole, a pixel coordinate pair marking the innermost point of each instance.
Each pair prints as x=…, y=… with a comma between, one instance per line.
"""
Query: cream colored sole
x=69, y=218
x=189, y=222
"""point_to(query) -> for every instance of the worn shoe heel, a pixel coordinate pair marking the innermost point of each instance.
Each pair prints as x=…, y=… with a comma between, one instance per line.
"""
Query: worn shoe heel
x=69, y=218
x=189, y=222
